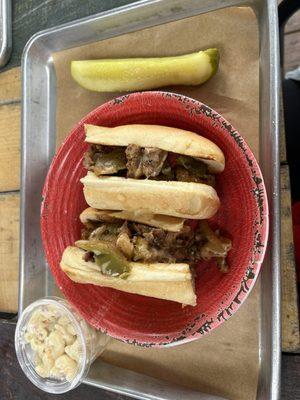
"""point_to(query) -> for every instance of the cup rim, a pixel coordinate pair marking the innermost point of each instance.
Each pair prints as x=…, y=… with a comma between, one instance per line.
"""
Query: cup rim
x=49, y=384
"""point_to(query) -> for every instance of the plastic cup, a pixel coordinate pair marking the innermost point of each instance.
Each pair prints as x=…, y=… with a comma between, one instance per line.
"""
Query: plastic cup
x=92, y=344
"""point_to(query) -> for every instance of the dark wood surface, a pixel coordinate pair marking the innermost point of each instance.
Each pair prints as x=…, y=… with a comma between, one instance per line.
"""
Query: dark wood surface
x=29, y=17
x=15, y=386
x=290, y=377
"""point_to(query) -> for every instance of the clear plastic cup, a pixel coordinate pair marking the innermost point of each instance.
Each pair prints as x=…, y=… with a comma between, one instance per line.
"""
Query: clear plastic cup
x=30, y=348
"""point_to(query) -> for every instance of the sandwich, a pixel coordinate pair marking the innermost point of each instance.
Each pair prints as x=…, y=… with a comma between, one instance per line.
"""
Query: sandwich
x=141, y=253
x=150, y=190
x=164, y=170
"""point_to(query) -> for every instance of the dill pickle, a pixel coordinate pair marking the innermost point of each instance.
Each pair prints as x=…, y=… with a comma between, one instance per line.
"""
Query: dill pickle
x=132, y=74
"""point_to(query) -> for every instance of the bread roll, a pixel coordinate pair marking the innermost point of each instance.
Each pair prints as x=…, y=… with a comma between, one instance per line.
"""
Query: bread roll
x=177, y=199
x=163, y=137
x=171, y=224
x=163, y=281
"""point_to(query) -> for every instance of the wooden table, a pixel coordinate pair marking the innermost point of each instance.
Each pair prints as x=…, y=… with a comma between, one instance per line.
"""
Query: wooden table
x=30, y=16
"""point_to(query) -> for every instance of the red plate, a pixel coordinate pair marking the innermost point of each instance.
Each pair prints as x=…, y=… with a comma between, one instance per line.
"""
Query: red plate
x=243, y=216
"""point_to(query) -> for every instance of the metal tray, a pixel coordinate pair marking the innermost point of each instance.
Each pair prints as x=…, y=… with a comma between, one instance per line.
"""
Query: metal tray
x=38, y=146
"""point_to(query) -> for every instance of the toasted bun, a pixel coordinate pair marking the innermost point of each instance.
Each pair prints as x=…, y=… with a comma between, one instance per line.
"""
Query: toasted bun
x=92, y=214
x=177, y=199
x=163, y=137
x=163, y=281
x=171, y=224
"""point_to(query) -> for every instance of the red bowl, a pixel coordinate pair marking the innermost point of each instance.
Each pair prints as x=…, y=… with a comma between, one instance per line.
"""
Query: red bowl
x=243, y=216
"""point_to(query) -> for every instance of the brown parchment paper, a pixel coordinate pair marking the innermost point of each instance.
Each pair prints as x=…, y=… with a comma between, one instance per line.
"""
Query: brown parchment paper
x=226, y=362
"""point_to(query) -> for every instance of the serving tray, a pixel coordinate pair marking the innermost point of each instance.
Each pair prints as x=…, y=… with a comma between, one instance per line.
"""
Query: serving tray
x=38, y=147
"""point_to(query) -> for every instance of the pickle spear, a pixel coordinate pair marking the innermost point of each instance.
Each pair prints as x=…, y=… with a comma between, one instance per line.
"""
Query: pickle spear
x=130, y=74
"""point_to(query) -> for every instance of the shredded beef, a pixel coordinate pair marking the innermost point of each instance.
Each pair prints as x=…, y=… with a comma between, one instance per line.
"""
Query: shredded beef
x=105, y=160
x=124, y=228
x=142, y=251
x=139, y=242
x=155, y=237
x=153, y=160
x=139, y=229
x=134, y=155
x=167, y=173
x=145, y=243
x=149, y=162
x=85, y=233
x=146, y=161
x=124, y=244
x=184, y=175
x=98, y=232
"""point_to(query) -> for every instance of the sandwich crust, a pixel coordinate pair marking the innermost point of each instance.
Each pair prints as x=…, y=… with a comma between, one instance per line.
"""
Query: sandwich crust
x=163, y=281
x=171, y=224
x=177, y=199
x=163, y=137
